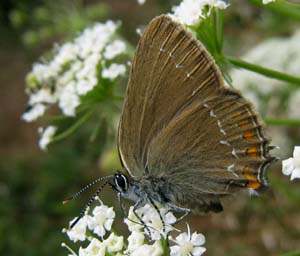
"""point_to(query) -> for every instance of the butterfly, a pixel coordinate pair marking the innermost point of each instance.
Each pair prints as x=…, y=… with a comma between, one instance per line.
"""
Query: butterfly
x=185, y=140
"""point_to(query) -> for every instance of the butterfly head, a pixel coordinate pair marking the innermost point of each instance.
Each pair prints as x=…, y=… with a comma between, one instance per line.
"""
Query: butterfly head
x=121, y=183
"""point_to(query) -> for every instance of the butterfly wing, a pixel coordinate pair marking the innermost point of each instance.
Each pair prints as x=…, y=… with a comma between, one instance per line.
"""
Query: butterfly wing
x=205, y=140
x=166, y=73
x=220, y=149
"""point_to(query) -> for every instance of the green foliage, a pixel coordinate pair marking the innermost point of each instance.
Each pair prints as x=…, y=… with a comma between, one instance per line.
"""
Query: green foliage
x=40, y=23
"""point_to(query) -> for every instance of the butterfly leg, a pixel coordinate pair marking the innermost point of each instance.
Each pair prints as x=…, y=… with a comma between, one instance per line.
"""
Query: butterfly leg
x=177, y=209
x=137, y=205
x=121, y=205
x=158, y=211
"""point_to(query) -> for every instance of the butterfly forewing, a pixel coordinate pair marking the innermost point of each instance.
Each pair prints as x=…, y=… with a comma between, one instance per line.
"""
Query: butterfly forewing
x=167, y=72
x=180, y=123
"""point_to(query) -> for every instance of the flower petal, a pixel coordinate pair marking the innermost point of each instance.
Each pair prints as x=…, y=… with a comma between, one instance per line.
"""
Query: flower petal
x=287, y=166
x=295, y=173
x=198, y=239
x=198, y=251
x=296, y=152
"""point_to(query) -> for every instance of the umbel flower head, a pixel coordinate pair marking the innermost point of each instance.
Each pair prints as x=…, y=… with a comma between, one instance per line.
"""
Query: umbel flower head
x=149, y=231
x=71, y=78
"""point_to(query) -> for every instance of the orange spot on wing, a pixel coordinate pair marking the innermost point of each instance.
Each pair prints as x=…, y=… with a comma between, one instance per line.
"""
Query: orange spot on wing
x=252, y=179
x=243, y=123
x=254, y=184
x=247, y=173
x=248, y=135
x=252, y=151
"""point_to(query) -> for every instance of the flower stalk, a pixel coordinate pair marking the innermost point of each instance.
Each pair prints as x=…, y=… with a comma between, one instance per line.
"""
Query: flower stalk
x=264, y=71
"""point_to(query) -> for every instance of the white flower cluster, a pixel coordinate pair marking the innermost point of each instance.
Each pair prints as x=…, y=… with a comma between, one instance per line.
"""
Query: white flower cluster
x=104, y=242
x=282, y=54
x=75, y=70
x=191, y=12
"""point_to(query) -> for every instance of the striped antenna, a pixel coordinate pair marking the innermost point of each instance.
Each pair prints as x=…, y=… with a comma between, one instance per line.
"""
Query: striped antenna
x=85, y=188
x=88, y=204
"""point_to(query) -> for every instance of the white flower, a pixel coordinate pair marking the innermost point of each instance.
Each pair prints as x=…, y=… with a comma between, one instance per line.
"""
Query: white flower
x=135, y=240
x=68, y=99
x=113, y=49
x=34, y=112
x=66, y=53
x=113, y=71
x=132, y=221
x=86, y=85
x=101, y=220
x=268, y=1
x=78, y=232
x=95, y=248
x=41, y=72
x=291, y=166
x=43, y=95
x=141, y=2
x=149, y=250
x=190, y=12
x=46, y=136
x=114, y=243
x=188, y=245
x=152, y=219
x=94, y=39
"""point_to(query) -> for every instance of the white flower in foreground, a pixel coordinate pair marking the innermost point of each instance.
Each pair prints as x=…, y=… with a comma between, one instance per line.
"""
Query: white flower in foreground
x=188, y=245
x=132, y=221
x=34, y=112
x=152, y=219
x=113, y=71
x=95, y=248
x=46, y=136
x=190, y=12
x=78, y=232
x=135, y=240
x=114, y=49
x=149, y=250
x=101, y=220
x=268, y=1
x=291, y=166
x=114, y=243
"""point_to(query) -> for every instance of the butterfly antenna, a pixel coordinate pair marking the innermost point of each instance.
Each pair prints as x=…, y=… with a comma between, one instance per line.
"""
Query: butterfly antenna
x=85, y=188
x=88, y=204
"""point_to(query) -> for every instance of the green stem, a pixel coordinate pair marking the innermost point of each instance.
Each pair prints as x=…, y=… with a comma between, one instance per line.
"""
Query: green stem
x=74, y=127
x=219, y=29
x=264, y=71
x=286, y=122
x=291, y=10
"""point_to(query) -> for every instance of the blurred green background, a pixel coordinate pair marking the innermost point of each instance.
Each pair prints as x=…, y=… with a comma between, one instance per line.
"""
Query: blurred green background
x=34, y=183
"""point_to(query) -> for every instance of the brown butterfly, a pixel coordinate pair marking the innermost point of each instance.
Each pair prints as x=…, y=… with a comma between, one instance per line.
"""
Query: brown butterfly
x=185, y=140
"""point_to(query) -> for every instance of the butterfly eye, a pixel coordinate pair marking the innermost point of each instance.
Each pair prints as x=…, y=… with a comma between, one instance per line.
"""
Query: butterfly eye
x=121, y=182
